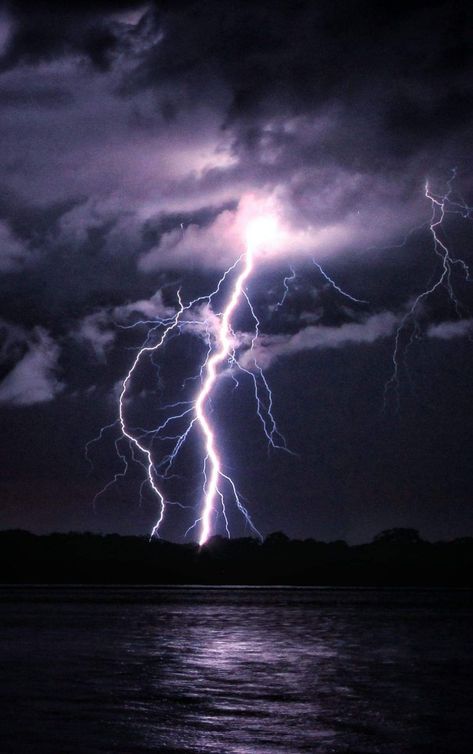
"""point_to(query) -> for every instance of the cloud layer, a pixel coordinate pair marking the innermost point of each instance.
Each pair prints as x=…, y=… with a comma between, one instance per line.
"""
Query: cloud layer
x=270, y=348
x=139, y=139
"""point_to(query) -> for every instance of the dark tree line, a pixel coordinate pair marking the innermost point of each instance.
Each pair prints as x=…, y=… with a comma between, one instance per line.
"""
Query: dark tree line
x=396, y=557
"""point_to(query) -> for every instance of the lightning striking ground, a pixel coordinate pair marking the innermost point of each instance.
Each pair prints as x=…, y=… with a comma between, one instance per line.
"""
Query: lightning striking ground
x=224, y=351
x=220, y=360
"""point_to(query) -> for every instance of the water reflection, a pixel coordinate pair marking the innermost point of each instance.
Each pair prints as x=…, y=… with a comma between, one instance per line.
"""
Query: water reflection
x=243, y=679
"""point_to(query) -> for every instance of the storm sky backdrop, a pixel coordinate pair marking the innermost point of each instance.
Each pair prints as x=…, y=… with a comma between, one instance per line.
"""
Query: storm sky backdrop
x=133, y=138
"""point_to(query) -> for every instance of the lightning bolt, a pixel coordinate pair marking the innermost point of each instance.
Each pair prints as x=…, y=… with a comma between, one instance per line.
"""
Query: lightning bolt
x=220, y=360
x=224, y=346
x=225, y=351
x=336, y=287
x=288, y=279
x=441, y=205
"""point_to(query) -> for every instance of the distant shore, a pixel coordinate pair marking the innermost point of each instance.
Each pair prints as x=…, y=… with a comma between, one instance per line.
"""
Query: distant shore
x=397, y=557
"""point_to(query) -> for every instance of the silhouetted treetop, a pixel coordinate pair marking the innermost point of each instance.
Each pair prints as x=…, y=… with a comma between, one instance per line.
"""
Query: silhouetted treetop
x=398, y=536
x=277, y=538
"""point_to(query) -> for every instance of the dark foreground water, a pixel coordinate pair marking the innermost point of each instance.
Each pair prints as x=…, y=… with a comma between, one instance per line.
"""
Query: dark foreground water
x=234, y=671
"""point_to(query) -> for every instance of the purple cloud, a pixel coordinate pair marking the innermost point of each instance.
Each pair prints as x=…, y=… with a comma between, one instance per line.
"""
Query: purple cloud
x=33, y=379
x=268, y=348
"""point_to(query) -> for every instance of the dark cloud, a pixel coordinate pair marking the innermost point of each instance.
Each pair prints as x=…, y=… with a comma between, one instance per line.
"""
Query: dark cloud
x=387, y=65
x=36, y=97
x=30, y=221
x=48, y=30
x=339, y=109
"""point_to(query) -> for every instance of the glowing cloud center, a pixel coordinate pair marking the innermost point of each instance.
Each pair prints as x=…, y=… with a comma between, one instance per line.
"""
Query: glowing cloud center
x=261, y=232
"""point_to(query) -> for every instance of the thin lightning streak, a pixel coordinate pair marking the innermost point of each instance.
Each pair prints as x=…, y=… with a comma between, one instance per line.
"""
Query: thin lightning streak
x=262, y=408
x=134, y=440
x=94, y=440
x=401, y=244
x=288, y=279
x=440, y=207
x=118, y=475
x=336, y=287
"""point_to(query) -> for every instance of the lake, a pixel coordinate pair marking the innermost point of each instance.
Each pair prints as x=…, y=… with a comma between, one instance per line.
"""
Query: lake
x=195, y=670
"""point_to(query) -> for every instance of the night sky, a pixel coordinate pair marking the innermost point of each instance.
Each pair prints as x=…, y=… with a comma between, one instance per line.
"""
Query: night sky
x=135, y=140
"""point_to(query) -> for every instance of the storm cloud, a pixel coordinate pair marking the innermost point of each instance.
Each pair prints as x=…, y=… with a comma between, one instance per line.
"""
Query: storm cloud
x=141, y=112
x=136, y=137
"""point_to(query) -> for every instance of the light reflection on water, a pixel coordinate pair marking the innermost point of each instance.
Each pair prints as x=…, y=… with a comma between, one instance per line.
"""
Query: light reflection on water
x=234, y=671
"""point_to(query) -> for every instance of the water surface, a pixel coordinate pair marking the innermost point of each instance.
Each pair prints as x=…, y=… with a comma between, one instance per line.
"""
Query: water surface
x=234, y=670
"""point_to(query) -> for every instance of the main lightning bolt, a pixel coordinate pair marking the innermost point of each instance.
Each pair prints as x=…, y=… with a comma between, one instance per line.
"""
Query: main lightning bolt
x=225, y=351
x=219, y=361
